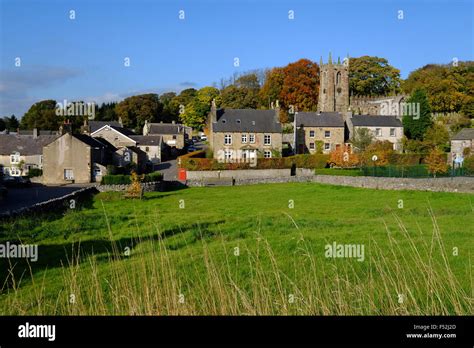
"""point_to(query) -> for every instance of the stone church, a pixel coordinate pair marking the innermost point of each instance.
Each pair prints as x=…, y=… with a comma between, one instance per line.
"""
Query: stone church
x=334, y=93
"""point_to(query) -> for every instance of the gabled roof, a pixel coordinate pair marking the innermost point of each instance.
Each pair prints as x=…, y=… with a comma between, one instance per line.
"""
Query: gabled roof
x=376, y=121
x=123, y=131
x=24, y=144
x=247, y=120
x=464, y=134
x=96, y=125
x=150, y=140
x=86, y=139
x=323, y=119
x=165, y=128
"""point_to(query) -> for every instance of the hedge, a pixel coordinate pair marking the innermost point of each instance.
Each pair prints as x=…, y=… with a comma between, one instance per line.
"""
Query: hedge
x=125, y=179
x=298, y=161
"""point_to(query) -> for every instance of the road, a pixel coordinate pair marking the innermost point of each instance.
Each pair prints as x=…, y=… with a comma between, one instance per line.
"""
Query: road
x=170, y=168
x=24, y=197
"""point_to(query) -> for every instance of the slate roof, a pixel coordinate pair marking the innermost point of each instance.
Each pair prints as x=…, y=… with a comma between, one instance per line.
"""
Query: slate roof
x=323, y=119
x=96, y=125
x=165, y=128
x=24, y=144
x=124, y=131
x=247, y=120
x=86, y=139
x=464, y=134
x=151, y=140
x=376, y=121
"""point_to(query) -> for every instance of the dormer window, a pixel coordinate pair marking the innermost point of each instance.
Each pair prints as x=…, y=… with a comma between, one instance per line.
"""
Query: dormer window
x=253, y=123
x=237, y=120
x=224, y=120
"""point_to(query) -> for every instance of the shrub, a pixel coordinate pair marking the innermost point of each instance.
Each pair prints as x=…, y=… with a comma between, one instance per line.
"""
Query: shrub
x=469, y=165
x=34, y=172
x=343, y=157
x=382, y=149
x=115, y=180
x=154, y=176
x=405, y=159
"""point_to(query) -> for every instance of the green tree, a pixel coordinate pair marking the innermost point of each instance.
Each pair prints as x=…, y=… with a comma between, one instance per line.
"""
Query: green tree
x=195, y=112
x=170, y=110
x=3, y=125
x=437, y=136
x=362, y=138
x=373, y=76
x=415, y=126
x=41, y=115
x=137, y=109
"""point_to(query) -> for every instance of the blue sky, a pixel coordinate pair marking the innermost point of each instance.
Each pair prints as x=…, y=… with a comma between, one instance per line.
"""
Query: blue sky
x=84, y=58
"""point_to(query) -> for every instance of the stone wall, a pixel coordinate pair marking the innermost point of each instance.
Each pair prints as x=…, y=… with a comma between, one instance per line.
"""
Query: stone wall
x=457, y=184
x=237, y=174
x=55, y=204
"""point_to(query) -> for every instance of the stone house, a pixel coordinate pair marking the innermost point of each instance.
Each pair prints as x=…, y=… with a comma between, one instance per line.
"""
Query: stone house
x=382, y=127
x=173, y=134
x=151, y=145
x=311, y=128
x=76, y=158
x=244, y=133
x=23, y=151
x=464, y=139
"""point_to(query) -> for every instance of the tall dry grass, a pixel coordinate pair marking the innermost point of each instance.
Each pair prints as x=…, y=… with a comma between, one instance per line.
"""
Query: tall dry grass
x=413, y=280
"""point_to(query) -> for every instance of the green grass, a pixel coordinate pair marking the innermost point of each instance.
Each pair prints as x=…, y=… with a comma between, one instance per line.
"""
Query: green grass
x=243, y=250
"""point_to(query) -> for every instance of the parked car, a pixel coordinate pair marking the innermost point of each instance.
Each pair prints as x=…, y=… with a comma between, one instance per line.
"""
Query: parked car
x=191, y=148
x=203, y=137
x=3, y=192
x=17, y=181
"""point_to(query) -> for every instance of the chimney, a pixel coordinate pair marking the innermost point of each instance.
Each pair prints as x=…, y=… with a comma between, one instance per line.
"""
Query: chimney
x=213, y=111
x=66, y=127
x=35, y=133
x=120, y=121
x=277, y=111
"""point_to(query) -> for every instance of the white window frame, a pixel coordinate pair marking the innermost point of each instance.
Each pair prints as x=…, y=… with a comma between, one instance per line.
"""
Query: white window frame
x=265, y=137
x=312, y=133
x=66, y=177
x=378, y=132
x=15, y=158
x=227, y=139
x=312, y=146
x=252, y=138
x=393, y=132
x=244, y=138
x=327, y=133
x=267, y=154
x=227, y=155
x=327, y=146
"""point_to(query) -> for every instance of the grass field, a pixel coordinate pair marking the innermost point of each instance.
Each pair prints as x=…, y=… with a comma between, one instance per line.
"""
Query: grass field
x=247, y=250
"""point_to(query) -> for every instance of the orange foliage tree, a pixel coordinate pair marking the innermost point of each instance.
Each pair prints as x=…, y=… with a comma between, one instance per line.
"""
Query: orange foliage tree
x=436, y=162
x=343, y=157
x=382, y=149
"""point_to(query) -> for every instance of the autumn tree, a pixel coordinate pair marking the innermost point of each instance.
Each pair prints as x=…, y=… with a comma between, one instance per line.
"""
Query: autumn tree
x=41, y=115
x=415, y=126
x=243, y=94
x=373, y=76
x=343, y=157
x=382, y=149
x=436, y=162
x=137, y=109
x=449, y=88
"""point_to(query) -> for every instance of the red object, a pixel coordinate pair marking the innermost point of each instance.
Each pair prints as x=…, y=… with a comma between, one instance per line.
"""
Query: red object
x=182, y=174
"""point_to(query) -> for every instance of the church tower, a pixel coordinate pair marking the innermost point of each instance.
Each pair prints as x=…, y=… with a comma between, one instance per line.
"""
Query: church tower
x=333, y=86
